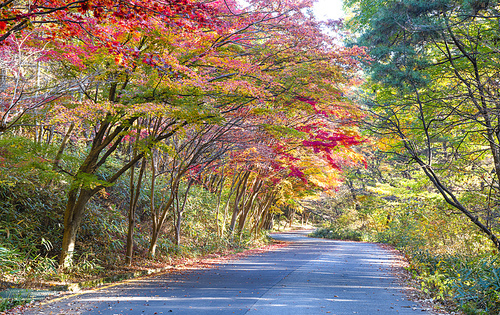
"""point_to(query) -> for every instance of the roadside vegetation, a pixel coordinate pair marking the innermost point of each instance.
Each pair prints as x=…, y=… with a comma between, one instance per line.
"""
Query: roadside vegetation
x=32, y=199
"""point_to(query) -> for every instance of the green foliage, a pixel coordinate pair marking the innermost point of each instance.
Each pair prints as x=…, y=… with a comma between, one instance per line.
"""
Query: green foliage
x=90, y=181
x=10, y=259
x=31, y=198
x=477, y=286
x=284, y=131
x=337, y=233
x=7, y=304
x=200, y=223
x=23, y=161
x=419, y=92
x=30, y=209
x=451, y=259
x=169, y=87
x=106, y=225
x=471, y=281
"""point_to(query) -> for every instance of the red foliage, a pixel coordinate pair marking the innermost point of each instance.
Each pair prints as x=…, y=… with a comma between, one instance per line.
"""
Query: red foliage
x=71, y=14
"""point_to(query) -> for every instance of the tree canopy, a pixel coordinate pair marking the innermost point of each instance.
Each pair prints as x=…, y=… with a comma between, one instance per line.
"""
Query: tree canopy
x=181, y=93
x=432, y=85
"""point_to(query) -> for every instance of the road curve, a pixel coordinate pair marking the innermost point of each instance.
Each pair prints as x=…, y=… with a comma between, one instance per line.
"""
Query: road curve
x=310, y=276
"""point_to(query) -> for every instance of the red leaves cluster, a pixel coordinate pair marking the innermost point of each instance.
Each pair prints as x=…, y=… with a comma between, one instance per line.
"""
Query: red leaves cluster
x=71, y=14
x=307, y=100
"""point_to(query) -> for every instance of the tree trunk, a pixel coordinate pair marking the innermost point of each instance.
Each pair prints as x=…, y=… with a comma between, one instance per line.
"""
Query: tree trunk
x=131, y=220
x=73, y=216
x=236, y=179
x=452, y=200
x=157, y=227
x=60, y=152
x=178, y=223
x=153, y=243
x=263, y=213
x=219, y=188
x=134, y=197
x=292, y=215
x=79, y=195
x=160, y=215
x=240, y=191
x=269, y=223
x=249, y=204
x=180, y=211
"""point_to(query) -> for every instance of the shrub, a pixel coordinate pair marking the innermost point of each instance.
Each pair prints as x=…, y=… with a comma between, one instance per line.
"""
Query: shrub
x=337, y=233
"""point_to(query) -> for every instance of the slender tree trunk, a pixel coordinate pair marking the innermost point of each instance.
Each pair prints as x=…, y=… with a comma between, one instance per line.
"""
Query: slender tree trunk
x=292, y=215
x=134, y=197
x=152, y=206
x=240, y=192
x=236, y=178
x=153, y=243
x=269, y=221
x=219, y=189
x=262, y=214
x=180, y=211
x=452, y=200
x=157, y=227
x=60, y=152
x=79, y=195
x=131, y=218
x=162, y=214
x=50, y=136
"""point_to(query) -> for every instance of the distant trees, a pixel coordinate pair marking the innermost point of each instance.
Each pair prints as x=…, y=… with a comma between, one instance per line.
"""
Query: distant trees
x=27, y=80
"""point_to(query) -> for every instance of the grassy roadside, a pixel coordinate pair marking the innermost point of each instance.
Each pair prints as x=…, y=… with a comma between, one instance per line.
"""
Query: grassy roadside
x=148, y=267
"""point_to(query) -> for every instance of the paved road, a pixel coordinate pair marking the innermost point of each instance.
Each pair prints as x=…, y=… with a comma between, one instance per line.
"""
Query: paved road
x=311, y=276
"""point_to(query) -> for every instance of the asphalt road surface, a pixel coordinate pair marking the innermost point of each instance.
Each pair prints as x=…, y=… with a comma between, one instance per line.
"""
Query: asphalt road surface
x=310, y=276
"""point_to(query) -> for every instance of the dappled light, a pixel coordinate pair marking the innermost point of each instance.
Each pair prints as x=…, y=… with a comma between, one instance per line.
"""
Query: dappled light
x=299, y=279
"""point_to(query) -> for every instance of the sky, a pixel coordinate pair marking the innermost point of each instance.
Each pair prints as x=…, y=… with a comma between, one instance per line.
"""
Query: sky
x=328, y=9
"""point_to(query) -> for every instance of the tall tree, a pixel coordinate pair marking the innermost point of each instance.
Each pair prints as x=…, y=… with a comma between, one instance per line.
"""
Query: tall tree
x=184, y=157
x=433, y=86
